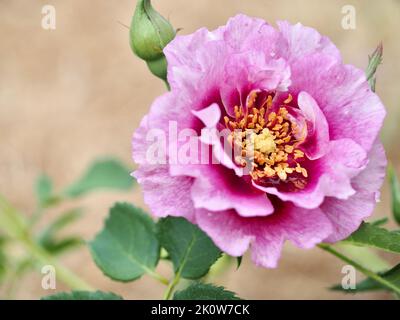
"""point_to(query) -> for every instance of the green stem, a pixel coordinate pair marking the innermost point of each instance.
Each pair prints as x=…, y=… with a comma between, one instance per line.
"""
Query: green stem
x=171, y=286
x=360, y=268
x=62, y=273
x=174, y=282
x=364, y=256
x=13, y=223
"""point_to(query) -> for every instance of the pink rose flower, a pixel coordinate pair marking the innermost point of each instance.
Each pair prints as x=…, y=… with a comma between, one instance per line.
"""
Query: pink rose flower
x=315, y=164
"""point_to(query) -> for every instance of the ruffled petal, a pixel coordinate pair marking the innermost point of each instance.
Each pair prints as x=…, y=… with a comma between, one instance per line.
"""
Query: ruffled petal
x=234, y=234
x=347, y=215
x=371, y=179
x=300, y=41
x=197, y=62
x=352, y=110
x=165, y=195
x=243, y=33
x=217, y=189
x=210, y=116
x=230, y=232
x=317, y=143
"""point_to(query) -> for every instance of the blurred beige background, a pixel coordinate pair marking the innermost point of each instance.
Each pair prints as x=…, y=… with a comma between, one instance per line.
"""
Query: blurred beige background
x=75, y=93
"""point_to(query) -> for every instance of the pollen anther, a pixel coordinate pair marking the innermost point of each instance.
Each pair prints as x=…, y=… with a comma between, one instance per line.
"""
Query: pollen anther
x=267, y=141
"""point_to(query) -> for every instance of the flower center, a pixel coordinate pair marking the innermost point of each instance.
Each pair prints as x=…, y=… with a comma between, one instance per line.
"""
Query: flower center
x=266, y=138
x=264, y=142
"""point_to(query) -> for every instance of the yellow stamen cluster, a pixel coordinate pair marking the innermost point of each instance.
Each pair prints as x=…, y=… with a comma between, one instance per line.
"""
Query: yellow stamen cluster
x=267, y=140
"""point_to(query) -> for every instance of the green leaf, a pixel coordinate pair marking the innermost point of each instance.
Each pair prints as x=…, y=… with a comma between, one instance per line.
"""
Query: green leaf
x=61, y=222
x=127, y=247
x=60, y=246
x=192, y=251
x=203, y=291
x=375, y=236
x=374, y=61
x=83, y=295
x=48, y=239
x=103, y=174
x=392, y=275
x=379, y=222
x=395, y=187
x=44, y=189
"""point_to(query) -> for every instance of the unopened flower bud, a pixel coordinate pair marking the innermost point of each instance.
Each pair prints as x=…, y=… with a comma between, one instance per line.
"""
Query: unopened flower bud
x=374, y=61
x=158, y=67
x=149, y=34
